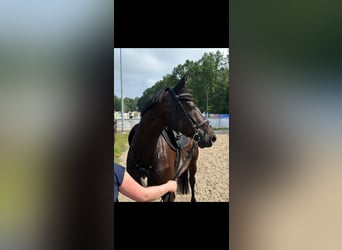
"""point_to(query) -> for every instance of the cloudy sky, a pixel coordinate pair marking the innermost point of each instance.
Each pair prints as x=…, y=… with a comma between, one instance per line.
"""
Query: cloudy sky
x=142, y=68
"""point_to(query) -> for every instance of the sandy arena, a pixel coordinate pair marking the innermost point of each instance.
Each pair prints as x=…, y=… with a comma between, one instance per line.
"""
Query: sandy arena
x=212, y=177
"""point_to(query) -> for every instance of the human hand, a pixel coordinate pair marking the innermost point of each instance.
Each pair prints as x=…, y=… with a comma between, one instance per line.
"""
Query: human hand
x=172, y=185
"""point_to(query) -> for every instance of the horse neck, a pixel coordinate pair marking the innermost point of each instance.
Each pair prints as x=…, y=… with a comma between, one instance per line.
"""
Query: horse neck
x=146, y=137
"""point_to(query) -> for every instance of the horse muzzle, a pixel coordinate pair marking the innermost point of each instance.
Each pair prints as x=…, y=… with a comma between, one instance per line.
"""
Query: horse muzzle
x=206, y=140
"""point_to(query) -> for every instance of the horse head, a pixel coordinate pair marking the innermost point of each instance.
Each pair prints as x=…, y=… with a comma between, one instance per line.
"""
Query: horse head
x=184, y=116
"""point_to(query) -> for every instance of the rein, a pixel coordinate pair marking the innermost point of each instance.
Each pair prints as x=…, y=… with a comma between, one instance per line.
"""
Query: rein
x=189, y=156
x=179, y=170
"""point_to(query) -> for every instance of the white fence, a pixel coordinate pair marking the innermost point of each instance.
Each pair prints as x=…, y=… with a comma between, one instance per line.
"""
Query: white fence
x=218, y=121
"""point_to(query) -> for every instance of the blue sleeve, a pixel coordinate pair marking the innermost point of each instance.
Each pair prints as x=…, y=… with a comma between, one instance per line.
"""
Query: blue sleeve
x=119, y=172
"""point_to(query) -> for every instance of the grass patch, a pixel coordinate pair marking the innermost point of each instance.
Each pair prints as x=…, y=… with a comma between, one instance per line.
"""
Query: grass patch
x=220, y=128
x=121, y=145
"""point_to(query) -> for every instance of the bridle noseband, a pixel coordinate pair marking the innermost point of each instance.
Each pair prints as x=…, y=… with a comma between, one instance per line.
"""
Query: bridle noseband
x=187, y=97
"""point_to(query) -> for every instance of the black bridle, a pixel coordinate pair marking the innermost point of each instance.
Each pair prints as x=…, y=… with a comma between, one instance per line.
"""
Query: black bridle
x=188, y=97
x=196, y=137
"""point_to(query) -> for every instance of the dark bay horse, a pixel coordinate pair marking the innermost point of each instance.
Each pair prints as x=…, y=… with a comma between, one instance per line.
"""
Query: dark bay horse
x=151, y=159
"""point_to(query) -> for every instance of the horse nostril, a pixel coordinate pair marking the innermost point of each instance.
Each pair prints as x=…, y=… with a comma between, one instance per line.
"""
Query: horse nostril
x=213, y=139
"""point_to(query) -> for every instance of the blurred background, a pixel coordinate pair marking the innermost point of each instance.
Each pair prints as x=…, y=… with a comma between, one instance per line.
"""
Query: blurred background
x=285, y=125
x=50, y=93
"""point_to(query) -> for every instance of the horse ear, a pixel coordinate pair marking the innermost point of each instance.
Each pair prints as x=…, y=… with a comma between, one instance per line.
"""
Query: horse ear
x=181, y=83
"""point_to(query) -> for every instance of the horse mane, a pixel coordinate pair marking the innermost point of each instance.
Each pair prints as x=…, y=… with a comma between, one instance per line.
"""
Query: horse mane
x=132, y=133
x=157, y=98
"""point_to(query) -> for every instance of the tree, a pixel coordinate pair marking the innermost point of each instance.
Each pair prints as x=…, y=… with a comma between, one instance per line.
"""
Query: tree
x=117, y=103
x=129, y=104
x=208, y=81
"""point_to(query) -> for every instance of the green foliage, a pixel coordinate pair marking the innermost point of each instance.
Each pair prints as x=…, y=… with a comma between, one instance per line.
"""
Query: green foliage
x=117, y=103
x=208, y=82
x=129, y=104
x=168, y=81
x=121, y=145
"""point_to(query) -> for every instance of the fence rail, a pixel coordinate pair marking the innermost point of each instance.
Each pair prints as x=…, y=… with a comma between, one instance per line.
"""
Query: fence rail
x=218, y=122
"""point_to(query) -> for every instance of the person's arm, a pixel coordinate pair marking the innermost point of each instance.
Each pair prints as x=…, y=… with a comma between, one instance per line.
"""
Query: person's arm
x=136, y=192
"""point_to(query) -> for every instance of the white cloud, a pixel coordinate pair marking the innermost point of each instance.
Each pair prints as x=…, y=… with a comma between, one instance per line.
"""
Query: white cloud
x=142, y=68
